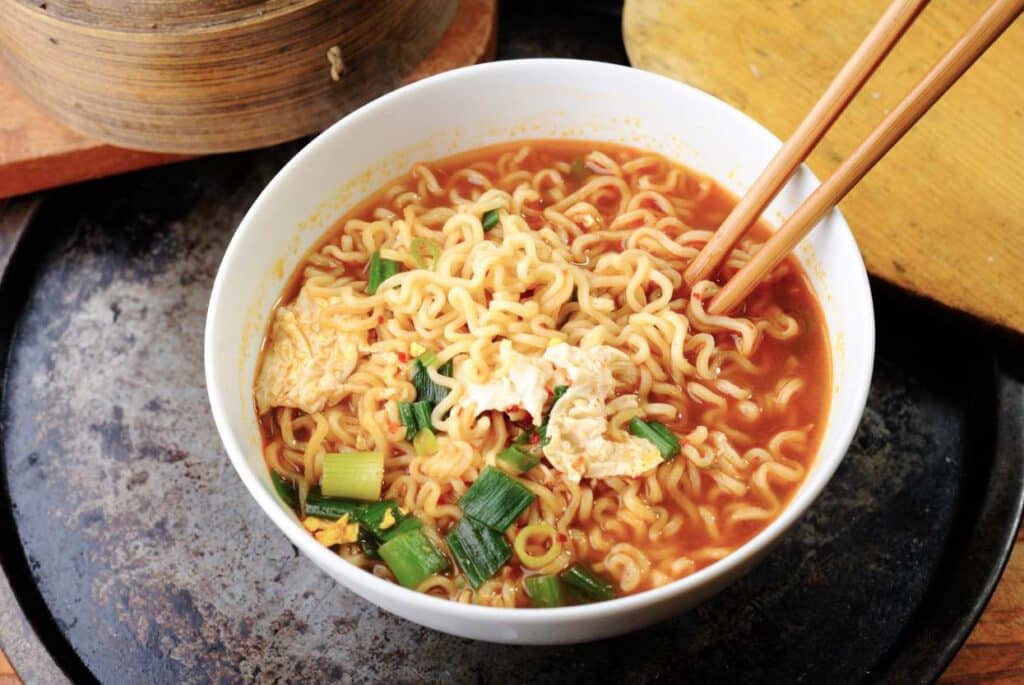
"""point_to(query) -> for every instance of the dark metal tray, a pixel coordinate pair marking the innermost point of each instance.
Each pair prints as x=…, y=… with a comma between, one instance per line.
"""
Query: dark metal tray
x=132, y=552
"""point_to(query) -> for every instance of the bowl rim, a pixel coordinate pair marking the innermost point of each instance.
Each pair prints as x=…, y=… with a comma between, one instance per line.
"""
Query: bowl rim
x=361, y=581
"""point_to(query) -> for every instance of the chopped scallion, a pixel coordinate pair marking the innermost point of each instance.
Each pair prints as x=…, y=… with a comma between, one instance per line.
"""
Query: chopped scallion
x=385, y=512
x=285, y=489
x=330, y=507
x=518, y=458
x=545, y=592
x=543, y=534
x=489, y=219
x=496, y=499
x=380, y=270
x=543, y=430
x=426, y=389
x=421, y=412
x=578, y=169
x=412, y=557
x=428, y=358
x=368, y=543
x=408, y=417
x=523, y=437
x=354, y=474
x=425, y=443
x=664, y=439
x=384, y=520
x=478, y=550
x=407, y=524
x=303, y=488
x=417, y=247
x=587, y=583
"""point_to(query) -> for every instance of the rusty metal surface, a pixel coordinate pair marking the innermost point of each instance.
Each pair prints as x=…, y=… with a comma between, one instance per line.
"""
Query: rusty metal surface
x=17, y=634
x=156, y=564
x=152, y=564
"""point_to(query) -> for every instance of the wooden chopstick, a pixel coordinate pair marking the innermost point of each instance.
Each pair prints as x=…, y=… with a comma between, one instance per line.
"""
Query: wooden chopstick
x=946, y=71
x=846, y=84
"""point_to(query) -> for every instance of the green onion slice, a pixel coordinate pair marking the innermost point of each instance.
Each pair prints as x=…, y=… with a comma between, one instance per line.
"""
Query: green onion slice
x=354, y=474
x=587, y=583
x=408, y=523
x=330, y=507
x=417, y=247
x=384, y=520
x=412, y=557
x=664, y=439
x=421, y=412
x=303, y=488
x=405, y=413
x=425, y=443
x=523, y=437
x=285, y=488
x=381, y=270
x=489, y=219
x=578, y=169
x=496, y=499
x=368, y=543
x=426, y=389
x=478, y=550
x=543, y=430
x=545, y=592
x=519, y=459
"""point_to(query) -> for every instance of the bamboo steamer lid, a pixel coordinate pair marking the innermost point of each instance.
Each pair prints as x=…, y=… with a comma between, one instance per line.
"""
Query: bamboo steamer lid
x=201, y=76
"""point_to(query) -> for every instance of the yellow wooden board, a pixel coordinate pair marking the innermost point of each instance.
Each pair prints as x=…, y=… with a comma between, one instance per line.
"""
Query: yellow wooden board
x=943, y=214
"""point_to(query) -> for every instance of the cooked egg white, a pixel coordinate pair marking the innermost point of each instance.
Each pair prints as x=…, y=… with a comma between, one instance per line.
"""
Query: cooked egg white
x=578, y=444
x=305, y=365
x=519, y=381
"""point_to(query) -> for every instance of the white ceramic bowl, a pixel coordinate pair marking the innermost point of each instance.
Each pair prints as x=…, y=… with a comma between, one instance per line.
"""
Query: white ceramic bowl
x=465, y=109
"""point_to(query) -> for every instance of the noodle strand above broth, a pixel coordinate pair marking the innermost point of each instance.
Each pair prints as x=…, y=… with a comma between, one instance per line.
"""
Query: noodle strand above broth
x=496, y=362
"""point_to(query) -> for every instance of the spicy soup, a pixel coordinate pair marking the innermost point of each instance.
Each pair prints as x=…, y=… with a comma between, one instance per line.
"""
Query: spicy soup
x=490, y=383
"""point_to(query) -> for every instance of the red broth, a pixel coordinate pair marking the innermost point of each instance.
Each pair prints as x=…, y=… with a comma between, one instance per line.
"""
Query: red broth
x=686, y=513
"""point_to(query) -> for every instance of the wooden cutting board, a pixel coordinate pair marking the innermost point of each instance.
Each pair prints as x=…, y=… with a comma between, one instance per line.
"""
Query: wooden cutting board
x=37, y=152
x=943, y=214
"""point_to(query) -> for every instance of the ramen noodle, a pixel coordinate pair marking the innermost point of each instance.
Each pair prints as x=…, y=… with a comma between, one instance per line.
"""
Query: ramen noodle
x=489, y=382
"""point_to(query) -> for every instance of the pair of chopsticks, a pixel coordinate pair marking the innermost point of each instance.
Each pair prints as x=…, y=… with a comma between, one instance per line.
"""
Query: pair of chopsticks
x=897, y=18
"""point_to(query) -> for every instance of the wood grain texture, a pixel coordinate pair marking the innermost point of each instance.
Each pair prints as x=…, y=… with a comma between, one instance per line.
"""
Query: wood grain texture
x=233, y=77
x=37, y=151
x=942, y=214
x=7, y=674
x=904, y=115
x=994, y=652
x=794, y=151
x=163, y=15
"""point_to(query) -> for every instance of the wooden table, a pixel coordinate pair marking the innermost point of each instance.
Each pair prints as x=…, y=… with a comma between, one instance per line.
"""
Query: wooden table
x=941, y=215
x=994, y=652
x=38, y=152
x=7, y=675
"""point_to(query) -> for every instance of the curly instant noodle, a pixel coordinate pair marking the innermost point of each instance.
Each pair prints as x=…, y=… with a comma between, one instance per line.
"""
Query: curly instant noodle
x=588, y=249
